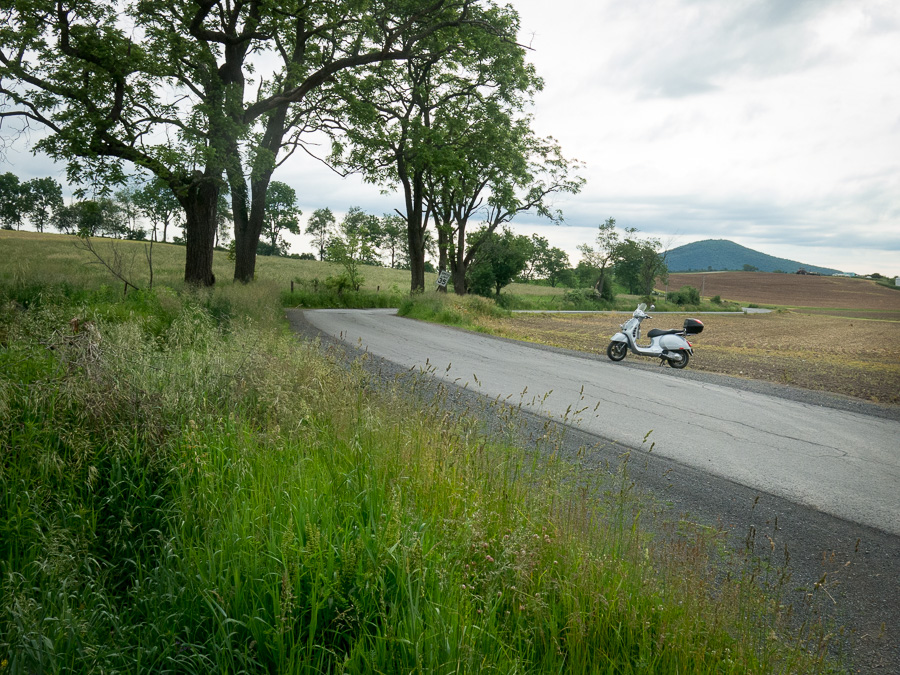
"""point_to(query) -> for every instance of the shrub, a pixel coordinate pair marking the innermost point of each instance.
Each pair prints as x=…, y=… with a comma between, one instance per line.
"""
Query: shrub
x=686, y=295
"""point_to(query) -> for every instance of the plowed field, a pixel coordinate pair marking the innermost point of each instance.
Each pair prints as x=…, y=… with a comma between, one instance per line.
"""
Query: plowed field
x=791, y=290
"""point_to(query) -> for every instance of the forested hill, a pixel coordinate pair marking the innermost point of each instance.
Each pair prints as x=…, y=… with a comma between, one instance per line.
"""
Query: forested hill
x=721, y=254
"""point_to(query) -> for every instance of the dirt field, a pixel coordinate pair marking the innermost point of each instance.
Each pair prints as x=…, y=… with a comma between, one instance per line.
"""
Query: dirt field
x=851, y=356
x=791, y=290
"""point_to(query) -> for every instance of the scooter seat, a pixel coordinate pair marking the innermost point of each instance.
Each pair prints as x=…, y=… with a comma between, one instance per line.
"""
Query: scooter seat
x=656, y=332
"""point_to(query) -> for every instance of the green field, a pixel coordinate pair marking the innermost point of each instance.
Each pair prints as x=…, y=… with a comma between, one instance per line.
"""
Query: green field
x=187, y=487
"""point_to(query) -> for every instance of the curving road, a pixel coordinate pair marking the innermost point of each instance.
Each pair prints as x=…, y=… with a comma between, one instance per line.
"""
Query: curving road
x=842, y=463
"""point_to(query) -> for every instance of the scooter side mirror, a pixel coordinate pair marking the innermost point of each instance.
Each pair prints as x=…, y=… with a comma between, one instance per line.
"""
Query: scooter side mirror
x=652, y=307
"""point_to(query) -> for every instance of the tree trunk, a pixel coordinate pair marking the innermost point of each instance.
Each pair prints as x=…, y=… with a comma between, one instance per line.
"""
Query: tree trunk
x=248, y=228
x=200, y=230
x=416, y=253
x=247, y=231
x=416, y=222
x=460, y=259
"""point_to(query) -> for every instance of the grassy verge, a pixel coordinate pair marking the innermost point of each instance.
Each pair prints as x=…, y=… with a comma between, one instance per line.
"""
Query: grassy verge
x=187, y=488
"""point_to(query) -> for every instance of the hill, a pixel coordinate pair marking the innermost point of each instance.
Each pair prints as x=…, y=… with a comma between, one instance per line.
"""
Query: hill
x=724, y=255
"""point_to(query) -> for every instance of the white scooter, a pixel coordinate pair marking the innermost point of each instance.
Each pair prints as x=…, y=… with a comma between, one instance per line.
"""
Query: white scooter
x=669, y=345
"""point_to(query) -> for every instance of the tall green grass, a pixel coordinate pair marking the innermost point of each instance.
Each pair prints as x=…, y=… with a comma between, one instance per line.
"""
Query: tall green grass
x=186, y=487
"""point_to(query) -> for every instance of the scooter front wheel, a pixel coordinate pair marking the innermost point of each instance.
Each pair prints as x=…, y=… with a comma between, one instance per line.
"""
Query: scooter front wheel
x=616, y=351
x=680, y=362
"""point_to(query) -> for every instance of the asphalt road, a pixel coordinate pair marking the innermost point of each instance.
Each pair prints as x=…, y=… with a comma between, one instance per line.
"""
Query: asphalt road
x=775, y=462
x=843, y=463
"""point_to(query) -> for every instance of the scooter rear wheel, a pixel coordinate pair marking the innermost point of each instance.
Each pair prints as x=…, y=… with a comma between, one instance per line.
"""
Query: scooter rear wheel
x=682, y=362
x=616, y=351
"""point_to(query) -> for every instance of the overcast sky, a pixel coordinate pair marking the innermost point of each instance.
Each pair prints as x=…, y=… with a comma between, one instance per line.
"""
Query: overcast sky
x=772, y=123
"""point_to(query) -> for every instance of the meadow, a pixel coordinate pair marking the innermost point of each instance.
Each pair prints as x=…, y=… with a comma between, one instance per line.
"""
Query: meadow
x=188, y=487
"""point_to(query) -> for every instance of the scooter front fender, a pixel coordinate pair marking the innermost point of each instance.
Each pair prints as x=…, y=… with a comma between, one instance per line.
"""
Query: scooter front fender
x=619, y=337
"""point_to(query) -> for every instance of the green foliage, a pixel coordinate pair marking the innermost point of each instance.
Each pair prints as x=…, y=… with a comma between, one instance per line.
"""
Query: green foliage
x=185, y=487
x=318, y=226
x=351, y=245
x=588, y=298
x=158, y=204
x=499, y=259
x=91, y=217
x=687, y=295
x=282, y=214
x=639, y=263
x=12, y=203
x=545, y=262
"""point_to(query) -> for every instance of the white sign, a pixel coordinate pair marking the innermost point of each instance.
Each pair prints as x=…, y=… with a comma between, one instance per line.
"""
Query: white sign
x=443, y=278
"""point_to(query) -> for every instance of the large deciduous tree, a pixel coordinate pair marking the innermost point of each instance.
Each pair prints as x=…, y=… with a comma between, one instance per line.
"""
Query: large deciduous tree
x=166, y=86
x=395, y=133
x=533, y=172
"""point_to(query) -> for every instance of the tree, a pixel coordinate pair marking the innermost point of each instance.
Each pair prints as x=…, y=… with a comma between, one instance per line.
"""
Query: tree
x=282, y=214
x=394, y=133
x=126, y=198
x=548, y=262
x=158, y=203
x=65, y=219
x=11, y=202
x=318, y=227
x=534, y=172
x=162, y=85
x=501, y=257
x=349, y=247
x=44, y=198
x=639, y=263
x=366, y=228
x=605, y=255
x=393, y=239
x=319, y=44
